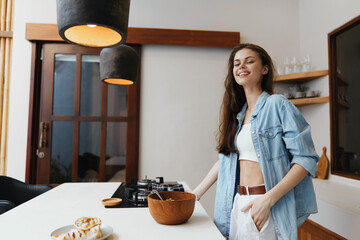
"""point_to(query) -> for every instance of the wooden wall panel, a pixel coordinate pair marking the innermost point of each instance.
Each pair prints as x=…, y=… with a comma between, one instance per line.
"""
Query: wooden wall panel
x=6, y=34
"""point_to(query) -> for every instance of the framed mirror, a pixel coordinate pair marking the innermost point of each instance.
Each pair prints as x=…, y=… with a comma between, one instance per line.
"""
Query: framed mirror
x=344, y=77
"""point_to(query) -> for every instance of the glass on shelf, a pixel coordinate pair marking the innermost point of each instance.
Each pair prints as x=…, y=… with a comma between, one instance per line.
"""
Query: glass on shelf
x=287, y=66
x=306, y=63
x=295, y=64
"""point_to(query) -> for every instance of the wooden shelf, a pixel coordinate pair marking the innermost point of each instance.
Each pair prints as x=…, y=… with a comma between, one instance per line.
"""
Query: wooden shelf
x=300, y=77
x=299, y=102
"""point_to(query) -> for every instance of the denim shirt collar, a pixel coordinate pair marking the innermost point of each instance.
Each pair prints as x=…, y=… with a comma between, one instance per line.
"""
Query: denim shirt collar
x=259, y=104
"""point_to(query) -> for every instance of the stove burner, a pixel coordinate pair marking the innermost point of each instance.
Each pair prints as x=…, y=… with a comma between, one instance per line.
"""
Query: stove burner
x=168, y=187
x=141, y=196
x=134, y=194
x=146, y=182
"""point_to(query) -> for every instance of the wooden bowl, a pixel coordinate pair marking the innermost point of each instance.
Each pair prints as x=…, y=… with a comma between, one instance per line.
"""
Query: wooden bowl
x=111, y=201
x=171, y=212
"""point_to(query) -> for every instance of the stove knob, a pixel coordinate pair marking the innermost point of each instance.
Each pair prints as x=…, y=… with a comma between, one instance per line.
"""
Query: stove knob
x=160, y=179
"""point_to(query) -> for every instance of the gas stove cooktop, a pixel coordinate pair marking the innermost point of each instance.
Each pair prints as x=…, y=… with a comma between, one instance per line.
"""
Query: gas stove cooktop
x=134, y=194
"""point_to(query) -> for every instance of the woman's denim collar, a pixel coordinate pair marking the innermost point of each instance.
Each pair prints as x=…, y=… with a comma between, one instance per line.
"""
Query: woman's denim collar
x=259, y=104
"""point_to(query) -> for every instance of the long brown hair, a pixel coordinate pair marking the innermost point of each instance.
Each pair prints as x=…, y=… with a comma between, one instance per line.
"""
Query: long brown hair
x=234, y=97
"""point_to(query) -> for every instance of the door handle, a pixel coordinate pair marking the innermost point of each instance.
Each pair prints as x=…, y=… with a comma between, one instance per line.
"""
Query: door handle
x=42, y=140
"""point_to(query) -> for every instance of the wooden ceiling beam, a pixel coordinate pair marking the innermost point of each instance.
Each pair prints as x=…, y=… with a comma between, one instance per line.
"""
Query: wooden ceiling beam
x=157, y=36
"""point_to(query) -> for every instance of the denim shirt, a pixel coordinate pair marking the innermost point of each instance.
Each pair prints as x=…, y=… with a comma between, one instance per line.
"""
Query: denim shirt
x=281, y=138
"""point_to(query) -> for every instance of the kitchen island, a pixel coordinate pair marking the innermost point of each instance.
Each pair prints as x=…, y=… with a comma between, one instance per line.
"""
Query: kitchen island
x=61, y=206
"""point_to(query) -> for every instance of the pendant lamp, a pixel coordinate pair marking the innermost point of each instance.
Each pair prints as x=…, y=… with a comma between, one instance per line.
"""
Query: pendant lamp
x=93, y=23
x=119, y=65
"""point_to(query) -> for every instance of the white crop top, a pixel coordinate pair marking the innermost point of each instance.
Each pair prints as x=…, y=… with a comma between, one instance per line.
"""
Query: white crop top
x=245, y=144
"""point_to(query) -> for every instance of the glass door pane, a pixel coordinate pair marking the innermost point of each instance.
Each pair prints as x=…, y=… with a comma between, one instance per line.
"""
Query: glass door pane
x=61, y=152
x=117, y=100
x=115, y=151
x=64, y=84
x=90, y=103
x=89, y=152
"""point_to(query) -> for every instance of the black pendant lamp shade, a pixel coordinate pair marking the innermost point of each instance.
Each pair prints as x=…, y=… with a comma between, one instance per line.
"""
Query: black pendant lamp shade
x=119, y=65
x=93, y=23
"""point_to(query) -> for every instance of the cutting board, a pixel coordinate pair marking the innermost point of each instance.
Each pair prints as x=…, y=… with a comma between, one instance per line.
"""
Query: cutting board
x=323, y=166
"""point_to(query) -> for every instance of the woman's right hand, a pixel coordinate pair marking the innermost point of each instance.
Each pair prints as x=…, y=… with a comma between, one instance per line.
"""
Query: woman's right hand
x=260, y=210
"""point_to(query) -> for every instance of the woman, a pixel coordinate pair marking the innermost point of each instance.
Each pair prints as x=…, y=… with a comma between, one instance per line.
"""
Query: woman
x=266, y=155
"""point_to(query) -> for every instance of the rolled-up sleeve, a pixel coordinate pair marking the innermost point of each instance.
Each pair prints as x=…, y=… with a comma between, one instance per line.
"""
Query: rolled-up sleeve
x=297, y=138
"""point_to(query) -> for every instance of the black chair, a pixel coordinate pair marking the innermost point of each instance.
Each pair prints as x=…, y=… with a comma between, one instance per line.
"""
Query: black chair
x=14, y=192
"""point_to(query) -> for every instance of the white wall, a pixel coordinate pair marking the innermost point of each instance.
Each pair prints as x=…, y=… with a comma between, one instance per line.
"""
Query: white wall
x=180, y=102
x=182, y=87
x=316, y=20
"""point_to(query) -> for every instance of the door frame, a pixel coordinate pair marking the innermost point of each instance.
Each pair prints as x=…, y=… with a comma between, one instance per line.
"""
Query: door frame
x=34, y=113
x=133, y=117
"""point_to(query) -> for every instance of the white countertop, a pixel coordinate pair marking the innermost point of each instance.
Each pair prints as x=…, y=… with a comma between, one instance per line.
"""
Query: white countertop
x=344, y=197
x=61, y=206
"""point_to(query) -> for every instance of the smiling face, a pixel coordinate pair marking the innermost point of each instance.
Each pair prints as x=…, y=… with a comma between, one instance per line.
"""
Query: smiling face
x=248, y=68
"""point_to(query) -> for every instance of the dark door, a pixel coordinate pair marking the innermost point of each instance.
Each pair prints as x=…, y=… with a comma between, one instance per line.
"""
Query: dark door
x=88, y=130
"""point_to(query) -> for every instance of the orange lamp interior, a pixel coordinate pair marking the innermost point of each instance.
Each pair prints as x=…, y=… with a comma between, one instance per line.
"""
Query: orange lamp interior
x=118, y=81
x=93, y=36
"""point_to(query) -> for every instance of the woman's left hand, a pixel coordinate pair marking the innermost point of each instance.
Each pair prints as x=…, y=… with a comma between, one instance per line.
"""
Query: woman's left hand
x=260, y=210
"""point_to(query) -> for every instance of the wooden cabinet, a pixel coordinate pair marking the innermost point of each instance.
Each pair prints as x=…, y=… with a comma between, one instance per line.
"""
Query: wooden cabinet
x=311, y=230
x=298, y=78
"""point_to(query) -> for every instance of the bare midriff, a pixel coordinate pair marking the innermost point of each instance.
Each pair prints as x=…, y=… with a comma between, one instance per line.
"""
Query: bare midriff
x=250, y=173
